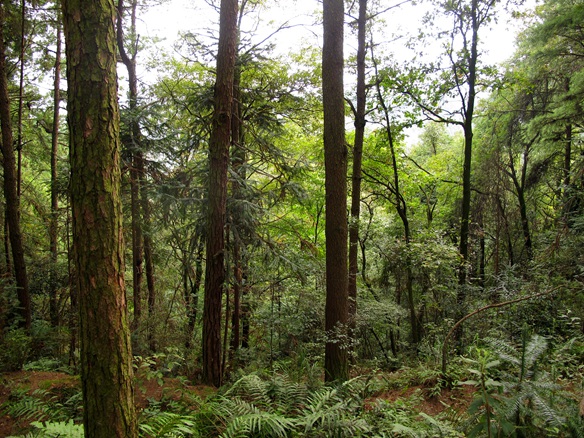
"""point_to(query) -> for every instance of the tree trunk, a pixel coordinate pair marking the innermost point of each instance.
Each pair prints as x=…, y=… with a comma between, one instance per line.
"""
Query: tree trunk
x=136, y=244
x=195, y=286
x=357, y=159
x=335, y=156
x=20, y=96
x=218, y=162
x=238, y=161
x=53, y=225
x=134, y=147
x=466, y=169
x=10, y=188
x=148, y=251
x=106, y=357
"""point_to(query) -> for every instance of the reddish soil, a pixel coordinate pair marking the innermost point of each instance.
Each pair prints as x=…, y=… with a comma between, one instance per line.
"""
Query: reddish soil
x=457, y=399
x=60, y=383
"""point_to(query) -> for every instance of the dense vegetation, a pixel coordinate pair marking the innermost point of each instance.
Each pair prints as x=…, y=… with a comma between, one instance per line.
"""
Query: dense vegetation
x=464, y=245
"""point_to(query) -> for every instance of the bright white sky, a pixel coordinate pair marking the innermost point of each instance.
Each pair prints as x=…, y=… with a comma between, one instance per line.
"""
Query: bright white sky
x=176, y=16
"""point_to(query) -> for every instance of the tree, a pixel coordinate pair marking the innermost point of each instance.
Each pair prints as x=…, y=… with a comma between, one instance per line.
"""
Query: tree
x=10, y=186
x=335, y=153
x=90, y=36
x=53, y=225
x=219, y=143
x=360, y=121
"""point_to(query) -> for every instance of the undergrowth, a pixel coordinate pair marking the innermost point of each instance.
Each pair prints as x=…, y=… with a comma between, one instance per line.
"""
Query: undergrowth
x=514, y=396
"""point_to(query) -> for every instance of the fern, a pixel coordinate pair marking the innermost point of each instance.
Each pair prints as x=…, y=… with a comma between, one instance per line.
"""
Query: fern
x=528, y=394
x=40, y=405
x=169, y=425
x=59, y=429
x=259, y=424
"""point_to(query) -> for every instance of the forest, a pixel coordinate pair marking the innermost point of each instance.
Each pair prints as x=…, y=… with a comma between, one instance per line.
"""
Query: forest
x=380, y=234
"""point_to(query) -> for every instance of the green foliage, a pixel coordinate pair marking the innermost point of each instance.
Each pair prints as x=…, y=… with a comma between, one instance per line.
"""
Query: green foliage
x=43, y=404
x=15, y=349
x=518, y=398
x=54, y=429
x=167, y=425
x=486, y=409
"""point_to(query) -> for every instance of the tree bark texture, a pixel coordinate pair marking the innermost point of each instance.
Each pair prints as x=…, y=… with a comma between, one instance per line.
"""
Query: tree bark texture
x=335, y=153
x=106, y=357
x=10, y=188
x=219, y=143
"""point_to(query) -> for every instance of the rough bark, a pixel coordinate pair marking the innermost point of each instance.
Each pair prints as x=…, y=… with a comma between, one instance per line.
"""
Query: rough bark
x=106, y=358
x=335, y=153
x=10, y=188
x=218, y=161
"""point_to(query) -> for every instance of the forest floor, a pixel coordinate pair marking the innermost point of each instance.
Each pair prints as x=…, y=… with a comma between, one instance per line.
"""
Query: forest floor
x=61, y=386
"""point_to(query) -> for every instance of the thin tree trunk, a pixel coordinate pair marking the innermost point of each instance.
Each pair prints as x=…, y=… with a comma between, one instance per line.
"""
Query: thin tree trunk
x=148, y=251
x=73, y=296
x=357, y=160
x=20, y=97
x=10, y=188
x=134, y=147
x=401, y=207
x=219, y=159
x=106, y=356
x=335, y=153
x=239, y=159
x=7, y=260
x=195, y=286
x=136, y=245
x=467, y=165
x=53, y=225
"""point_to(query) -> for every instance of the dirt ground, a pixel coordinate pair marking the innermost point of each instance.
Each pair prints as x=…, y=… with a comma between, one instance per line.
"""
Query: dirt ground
x=148, y=390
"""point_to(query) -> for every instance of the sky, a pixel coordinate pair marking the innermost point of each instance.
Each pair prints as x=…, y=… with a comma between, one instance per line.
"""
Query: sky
x=175, y=16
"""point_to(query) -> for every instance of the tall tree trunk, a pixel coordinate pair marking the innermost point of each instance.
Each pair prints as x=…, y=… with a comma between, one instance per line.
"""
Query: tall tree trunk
x=148, y=251
x=7, y=260
x=106, y=356
x=335, y=157
x=467, y=163
x=357, y=160
x=10, y=187
x=19, y=143
x=238, y=161
x=194, y=287
x=218, y=163
x=136, y=244
x=134, y=147
x=73, y=295
x=53, y=225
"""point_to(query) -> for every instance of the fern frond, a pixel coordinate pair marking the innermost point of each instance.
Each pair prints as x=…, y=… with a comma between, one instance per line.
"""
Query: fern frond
x=504, y=350
x=58, y=429
x=534, y=349
x=259, y=424
x=550, y=415
x=169, y=425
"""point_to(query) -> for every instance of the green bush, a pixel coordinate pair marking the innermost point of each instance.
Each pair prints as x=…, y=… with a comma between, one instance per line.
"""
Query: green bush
x=15, y=350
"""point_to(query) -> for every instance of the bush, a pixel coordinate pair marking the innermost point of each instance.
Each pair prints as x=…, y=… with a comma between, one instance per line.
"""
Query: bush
x=15, y=350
